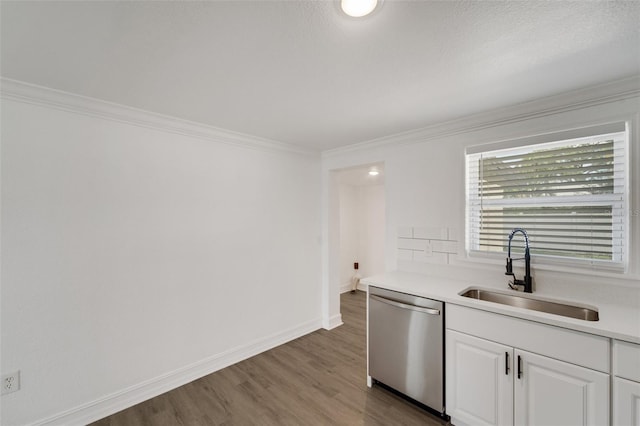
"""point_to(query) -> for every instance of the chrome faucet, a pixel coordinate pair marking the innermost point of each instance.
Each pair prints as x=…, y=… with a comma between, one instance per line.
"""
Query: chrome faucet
x=527, y=263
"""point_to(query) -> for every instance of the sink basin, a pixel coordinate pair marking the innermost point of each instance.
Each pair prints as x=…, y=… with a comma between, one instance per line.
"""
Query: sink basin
x=521, y=301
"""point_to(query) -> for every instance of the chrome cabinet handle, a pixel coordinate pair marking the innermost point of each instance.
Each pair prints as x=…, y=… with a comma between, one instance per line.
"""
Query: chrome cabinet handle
x=405, y=306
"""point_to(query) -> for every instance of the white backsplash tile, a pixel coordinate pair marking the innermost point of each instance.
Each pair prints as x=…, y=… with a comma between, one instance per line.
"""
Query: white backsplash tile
x=412, y=244
x=426, y=244
x=405, y=254
x=445, y=246
x=405, y=232
x=430, y=233
x=433, y=257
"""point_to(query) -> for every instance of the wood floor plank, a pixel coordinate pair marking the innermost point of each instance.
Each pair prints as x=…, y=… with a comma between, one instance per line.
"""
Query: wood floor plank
x=318, y=379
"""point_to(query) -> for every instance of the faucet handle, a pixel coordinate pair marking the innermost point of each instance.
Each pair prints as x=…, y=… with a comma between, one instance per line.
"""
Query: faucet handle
x=515, y=284
x=509, y=267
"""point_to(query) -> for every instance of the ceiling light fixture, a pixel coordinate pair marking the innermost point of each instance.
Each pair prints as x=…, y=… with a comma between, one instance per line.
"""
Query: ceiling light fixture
x=358, y=8
x=373, y=172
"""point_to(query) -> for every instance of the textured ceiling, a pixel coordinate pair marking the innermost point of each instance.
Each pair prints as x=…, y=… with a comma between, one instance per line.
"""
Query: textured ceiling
x=303, y=73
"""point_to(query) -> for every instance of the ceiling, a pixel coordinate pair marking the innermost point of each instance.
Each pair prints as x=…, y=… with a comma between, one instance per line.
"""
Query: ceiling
x=303, y=73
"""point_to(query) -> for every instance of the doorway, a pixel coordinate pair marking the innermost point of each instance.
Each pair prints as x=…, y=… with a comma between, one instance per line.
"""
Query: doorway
x=360, y=229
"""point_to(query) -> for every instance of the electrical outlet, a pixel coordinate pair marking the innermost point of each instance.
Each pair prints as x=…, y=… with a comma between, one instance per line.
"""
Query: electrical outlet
x=428, y=249
x=11, y=382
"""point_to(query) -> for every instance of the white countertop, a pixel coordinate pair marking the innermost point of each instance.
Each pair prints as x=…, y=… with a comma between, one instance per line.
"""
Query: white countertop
x=616, y=321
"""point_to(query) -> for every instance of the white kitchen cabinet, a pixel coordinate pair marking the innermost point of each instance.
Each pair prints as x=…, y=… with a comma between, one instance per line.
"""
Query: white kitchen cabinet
x=626, y=402
x=626, y=384
x=492, y=380
x=552, y=392
x=479, y=383
x=493, y=384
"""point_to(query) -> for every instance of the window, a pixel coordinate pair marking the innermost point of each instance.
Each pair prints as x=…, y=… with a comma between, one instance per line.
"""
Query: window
x=567, y=191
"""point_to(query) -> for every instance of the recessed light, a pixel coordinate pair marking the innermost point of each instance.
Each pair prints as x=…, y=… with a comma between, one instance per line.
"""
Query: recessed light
x=358, y=8
x=373, y=173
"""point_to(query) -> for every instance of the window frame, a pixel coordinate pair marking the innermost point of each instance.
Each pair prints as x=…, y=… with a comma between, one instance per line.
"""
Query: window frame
x=559, y=138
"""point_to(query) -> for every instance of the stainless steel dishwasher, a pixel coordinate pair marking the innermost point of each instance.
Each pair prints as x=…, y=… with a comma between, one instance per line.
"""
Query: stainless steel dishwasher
x=406, y=345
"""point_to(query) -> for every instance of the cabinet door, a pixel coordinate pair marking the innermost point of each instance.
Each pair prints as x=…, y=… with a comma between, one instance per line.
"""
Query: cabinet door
x=479, y=386
x=551, y=392
x=626, y=402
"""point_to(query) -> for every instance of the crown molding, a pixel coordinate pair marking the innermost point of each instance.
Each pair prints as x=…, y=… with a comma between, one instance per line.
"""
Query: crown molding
x=57, y=99
x=582, y=98
x=617, y=90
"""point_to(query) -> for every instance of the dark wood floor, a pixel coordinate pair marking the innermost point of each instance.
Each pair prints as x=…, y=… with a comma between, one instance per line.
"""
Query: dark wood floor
x=318, y=379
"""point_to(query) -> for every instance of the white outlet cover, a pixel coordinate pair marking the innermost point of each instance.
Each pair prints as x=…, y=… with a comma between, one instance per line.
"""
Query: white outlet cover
x=428, y=250
x=10, y=382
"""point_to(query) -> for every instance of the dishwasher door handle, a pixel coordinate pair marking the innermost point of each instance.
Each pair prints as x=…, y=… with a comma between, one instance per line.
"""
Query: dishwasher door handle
x=406, y=306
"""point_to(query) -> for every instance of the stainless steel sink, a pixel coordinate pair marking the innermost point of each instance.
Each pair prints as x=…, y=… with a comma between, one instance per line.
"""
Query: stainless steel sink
x=517, y=300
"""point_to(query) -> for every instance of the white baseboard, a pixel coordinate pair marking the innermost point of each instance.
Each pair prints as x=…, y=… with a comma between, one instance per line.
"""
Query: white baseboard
x=333, y=322
x=110, y=404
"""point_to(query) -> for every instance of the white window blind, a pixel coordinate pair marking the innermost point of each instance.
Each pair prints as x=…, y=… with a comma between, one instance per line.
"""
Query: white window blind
x=569, y=195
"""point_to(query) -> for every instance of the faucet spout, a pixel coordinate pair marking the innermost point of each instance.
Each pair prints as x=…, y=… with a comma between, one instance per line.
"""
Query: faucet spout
x=527, y=281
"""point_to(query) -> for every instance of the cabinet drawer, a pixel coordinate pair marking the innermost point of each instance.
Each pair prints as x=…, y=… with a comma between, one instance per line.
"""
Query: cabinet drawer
x=579, y=348
x=626, y=360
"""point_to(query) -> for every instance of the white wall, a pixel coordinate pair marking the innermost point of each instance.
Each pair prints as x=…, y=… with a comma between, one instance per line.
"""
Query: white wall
x=362, y=231
x=135, y=259
x=371, y=242
x=350, y=220
x=424, y=178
